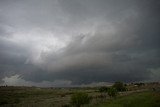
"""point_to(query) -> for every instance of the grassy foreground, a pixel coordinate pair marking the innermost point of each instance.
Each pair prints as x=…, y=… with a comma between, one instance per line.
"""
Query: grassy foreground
x=143, y=99
x=33, y=97
x=137, y=96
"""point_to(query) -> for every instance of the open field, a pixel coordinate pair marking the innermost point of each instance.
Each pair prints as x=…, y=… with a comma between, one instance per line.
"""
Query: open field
x=39, y=97
x=137, y=96
x=142, y=99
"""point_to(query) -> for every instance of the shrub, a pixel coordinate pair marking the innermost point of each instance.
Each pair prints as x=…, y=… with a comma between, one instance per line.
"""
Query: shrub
x=80, y=98
x=119, y=86
x=65, y=105
x=3, y=101
x=112, y=92
x=103, y=89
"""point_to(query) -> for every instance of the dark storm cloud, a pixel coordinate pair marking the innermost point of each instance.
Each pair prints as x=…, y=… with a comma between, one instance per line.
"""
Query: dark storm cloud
x=107, y=41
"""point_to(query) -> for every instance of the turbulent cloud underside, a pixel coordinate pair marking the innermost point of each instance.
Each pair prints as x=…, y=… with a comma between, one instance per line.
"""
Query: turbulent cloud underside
x=75, y=42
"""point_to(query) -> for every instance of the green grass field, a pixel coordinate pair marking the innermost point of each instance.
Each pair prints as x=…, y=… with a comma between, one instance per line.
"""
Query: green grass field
x=143, y=99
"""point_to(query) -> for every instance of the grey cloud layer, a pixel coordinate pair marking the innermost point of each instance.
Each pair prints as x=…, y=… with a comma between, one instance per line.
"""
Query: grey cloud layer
x=106, y=40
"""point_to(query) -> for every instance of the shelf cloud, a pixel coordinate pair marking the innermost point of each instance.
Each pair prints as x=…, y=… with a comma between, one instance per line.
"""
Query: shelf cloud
x=79, y=42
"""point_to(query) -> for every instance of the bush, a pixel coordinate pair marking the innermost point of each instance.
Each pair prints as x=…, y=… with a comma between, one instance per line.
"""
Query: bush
x=119, y=86
x=112, y=92
x=103, y=89
x=65, y=105
x=80, y=98
x=3, y=101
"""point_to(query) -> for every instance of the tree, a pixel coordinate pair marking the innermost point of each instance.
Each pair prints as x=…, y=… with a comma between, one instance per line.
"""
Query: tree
x=112, y=92
x=119, y=86
x=80, y=98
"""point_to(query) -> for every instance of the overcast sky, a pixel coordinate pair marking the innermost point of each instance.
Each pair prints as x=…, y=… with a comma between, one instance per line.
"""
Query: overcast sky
x=79, y=42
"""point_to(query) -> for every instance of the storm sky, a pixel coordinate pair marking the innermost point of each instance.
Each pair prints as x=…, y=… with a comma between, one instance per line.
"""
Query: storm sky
x=79, y=42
